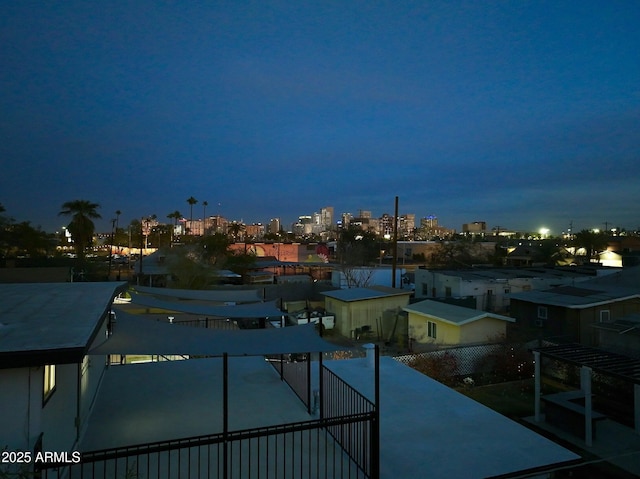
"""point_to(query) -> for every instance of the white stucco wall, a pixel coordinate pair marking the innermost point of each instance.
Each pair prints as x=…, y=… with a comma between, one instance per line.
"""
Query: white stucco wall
x=92, y=371
x=20, y=407
x=59, y=412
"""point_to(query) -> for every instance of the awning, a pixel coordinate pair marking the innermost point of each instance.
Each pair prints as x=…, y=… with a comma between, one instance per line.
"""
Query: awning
x=232, y=295
x=135, y=335
x=253, y=310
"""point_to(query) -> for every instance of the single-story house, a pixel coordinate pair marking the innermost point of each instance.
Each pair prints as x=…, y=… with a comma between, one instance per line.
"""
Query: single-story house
x=358, y=308
x=435, y=322
x=48, y=381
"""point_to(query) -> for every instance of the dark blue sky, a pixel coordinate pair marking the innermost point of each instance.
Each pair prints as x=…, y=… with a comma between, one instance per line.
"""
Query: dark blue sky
x=520, y=114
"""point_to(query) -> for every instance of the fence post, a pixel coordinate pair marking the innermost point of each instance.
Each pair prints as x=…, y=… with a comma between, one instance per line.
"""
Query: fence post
x=321, y=386
x=375, y=427
x=538, y=387
x=225, y=414
x=309, y=397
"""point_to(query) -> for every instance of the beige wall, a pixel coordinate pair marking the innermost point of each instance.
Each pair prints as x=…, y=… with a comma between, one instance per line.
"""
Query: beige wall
x=355, y=314
x=448, y=334
x=482, y=331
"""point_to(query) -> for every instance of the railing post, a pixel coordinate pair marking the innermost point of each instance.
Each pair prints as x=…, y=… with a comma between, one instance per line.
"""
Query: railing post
x=282, y=367
x=321, y=386
x=375, y=429
x=225, y=414
x=309, y=397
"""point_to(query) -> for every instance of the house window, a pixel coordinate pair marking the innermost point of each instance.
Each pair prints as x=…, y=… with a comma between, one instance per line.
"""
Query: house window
x=542, y=312
x=605, y=316
x=447, y=291
x=425, y=289
x=431, y=329
x=507, y=290
x=49, y=382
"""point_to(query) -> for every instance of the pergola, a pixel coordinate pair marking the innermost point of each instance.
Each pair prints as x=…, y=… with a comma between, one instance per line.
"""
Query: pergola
x=590, y=360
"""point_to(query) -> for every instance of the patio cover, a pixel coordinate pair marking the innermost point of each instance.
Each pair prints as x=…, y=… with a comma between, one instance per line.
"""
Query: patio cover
x=231, y=295
x=252, y=310
x=135, y=335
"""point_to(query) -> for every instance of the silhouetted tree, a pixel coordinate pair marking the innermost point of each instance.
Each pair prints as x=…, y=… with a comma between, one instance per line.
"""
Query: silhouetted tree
x=81, y=227
x=192, y=201
x=592, y=242
x=356, y=247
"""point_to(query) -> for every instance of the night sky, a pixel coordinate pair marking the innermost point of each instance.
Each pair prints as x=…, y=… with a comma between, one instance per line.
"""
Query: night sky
x=520, y=114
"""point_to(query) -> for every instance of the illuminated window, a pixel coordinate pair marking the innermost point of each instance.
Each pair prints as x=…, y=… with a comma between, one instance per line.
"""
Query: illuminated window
x=431, y=329
x=49, y=382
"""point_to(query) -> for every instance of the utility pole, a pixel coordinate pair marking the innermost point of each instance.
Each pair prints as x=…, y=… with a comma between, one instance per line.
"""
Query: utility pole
x=113, y=225
x=395, y=246
x=141, y=246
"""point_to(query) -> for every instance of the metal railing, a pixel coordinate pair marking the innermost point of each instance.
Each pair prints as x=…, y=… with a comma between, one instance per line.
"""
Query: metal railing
x=295, y=370
x=359, y=440
x=342, y=443
x=297, y=450
x=209, y=323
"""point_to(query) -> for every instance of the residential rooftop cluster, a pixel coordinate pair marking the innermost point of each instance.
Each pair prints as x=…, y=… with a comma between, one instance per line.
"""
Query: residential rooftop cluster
x=359, y=356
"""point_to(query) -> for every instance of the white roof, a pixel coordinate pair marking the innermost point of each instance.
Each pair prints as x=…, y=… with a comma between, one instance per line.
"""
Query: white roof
x=587, y=295
x=450, y=313
x=39, y=321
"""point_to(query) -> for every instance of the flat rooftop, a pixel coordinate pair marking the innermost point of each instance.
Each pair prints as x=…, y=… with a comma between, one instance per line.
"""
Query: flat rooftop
x=427, y=429
x=430, y=430
x=50, y=317
x=147, y=402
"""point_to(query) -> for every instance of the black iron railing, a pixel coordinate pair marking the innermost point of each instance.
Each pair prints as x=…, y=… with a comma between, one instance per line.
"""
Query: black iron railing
x=209, y=323
x=296, y=450
x=295, y=370
x=342, y=443
x=357, y=439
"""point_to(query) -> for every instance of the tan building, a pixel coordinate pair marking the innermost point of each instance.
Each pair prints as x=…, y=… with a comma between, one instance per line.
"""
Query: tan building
x=442, y=324
x=361, y=309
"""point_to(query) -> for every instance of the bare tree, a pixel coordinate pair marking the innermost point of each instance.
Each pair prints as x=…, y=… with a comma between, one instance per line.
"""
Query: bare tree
x=357, y=277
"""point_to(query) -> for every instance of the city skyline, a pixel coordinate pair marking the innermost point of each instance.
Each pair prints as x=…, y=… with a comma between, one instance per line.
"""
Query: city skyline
x=521, y=115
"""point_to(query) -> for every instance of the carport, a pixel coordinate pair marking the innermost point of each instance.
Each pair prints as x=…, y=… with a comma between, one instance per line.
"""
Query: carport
x=591, y=362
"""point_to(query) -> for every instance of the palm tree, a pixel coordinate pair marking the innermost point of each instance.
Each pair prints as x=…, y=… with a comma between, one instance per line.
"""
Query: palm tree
x=81, y=227
x=235, y=229
x=204, y=217
x=176, y=215
x=192, y=201
x=593, y=242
